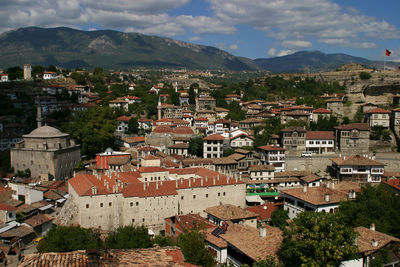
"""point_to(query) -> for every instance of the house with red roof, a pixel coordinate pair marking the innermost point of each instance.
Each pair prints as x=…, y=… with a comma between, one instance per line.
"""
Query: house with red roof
x=241, y=140
x=133, y=99
x=273, y=154
x=123, y=124
x=320, y=113
x=378, y=117
x=7, y=213
x=353, y=138
x=320, y=142
x=48, y=75
x=213, y=146
x=145, y=124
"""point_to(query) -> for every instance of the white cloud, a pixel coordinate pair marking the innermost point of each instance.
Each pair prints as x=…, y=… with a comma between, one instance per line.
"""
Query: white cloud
x=296, y=44
x=195, y=38
x=234, y=47
x=272, y=52
x=285, y=53
x=202, y=24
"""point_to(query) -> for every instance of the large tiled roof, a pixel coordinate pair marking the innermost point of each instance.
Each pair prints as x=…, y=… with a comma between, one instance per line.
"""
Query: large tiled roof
x=247, y=239
x=38, y=219
x=316, y=195
x=356, y=161
x=182, y=130
x=268, y=167
x=162, y=129
x=320, y=135
x=367, y=236
x=19, y=232
x=7, y=207
x=378, y=111
x=271, y=148
x=134, y=139
x=143, y=257
x=322, y=111
x=123, y=118
x=351, y=126
x=230, y=212
x=293, y=129
x=264, y=211
x=214, y=137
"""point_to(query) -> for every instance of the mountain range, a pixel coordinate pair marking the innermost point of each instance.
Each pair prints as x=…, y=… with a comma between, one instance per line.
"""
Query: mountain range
x=109, y=49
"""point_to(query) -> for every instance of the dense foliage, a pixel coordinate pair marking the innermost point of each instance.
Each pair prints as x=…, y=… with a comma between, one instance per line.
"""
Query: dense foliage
x=194, y=249
x=196, y=146
x=69, y=238
x=279, y=218
x=127, y=237
x=373, y=205
x=93, y=129
x=317, y=239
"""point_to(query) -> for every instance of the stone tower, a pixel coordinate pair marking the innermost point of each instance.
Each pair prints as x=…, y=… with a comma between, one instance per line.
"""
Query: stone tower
x=27, y=72
x=159, y=109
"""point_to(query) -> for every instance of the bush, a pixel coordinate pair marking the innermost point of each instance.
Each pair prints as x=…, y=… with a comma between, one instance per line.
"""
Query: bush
x=364, y=75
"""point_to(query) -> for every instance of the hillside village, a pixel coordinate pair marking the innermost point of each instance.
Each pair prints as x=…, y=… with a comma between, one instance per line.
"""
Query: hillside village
x=170, y=150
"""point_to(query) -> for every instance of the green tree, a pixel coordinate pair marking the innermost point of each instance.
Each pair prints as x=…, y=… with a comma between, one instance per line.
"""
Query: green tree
x=325, y=123
x=359, y=116
x=15, y=73
x=270, y=261
x=133, y=126
x=93, y=129
x=196, y=146
x=279, y=218
x=126, y=237
x=365, y=75
x=317, y=239
x=235, y=112
x=69, y=238
x=229, y=151
x=194, y=249
x=192, y=93
x=373, y=205
x=163, y=241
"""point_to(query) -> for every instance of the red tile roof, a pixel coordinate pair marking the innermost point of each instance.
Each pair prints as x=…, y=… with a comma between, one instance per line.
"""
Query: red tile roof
x=320, y=135
x=150, y=157
x=123, y=118
x=351, y=126
x=316, y=195
x=133, y=97
x=7, y=207
x=162, y=129
x=182, y=130
x=264, y=211
x=214, y=137
x=271, y=148
x=134, y=139
x=356, y=160
x=322, y=111
x=242, y=134
x=378, y=111
x=147, y=189
x=201, y=119
x=151, y=169
x=38, y=219
x=395, y=183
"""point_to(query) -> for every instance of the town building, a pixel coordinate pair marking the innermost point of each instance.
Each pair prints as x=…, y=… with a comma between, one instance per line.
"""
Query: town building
x=378, y=117
x=121, y=198
x=213, y=146
x=320, y=113
x=241, y=140
x=353, y=138
x=358, y=168
x=123, y=124
x=320, y=142
x=27, y=72
x=229, y=213
x=273, y=154
x=317, y=199
x=47, y=152
x=49, y=75
x=205, y=102
x=294, y=138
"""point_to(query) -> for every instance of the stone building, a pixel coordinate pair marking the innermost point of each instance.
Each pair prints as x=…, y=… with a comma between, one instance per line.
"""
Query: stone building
x=117, y=199
x=353, y=138
x=47, y=152
x=213, y=146
x=205, y=102
x=395, y=121
x=294, y=138
x=378, y=117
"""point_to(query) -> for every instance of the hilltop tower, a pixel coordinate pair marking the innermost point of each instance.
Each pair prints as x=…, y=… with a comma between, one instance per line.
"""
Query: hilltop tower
x=159, y=109
x=27, y=72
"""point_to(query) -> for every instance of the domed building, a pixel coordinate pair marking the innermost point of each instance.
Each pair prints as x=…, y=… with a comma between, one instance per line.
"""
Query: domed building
x=47, y=152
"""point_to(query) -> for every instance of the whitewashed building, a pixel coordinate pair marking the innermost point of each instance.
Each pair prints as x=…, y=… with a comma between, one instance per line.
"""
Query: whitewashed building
x=320, y=142
x=273, y=154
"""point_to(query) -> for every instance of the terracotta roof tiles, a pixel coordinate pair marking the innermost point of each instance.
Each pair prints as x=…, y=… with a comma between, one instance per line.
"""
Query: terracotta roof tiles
x=214, y=137
x=230, y=212
x=320, y=135
x=356, y=161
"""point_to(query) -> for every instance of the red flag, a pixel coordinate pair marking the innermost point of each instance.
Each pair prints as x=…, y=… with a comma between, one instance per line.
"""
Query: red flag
x=388, y=52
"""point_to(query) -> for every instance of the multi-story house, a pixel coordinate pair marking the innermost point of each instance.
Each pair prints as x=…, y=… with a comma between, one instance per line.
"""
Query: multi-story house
x=49, y=75
x=205, y=102
x=320, y=113
x=145, y=124
x=367, y=106
x=247, y=124
x=133, y=99
x=395, y=121
x=231, y=98
x=273, y=154
x=171, y=111
x=296, y=113
x=320, y=142
x=378, y=117
x=123, y=124
x=221, y=112
x=317, y=199
x=293, y=138
x=358, y=168
x=241, y=140
x=201, y=124
x=353, y=138
x=213, y=146
x=3, y=77
x=119, y=103
x=222, y=126
x=209, y=114
x=262, y=172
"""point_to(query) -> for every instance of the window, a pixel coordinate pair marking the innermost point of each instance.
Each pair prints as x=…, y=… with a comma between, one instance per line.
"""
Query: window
x=194, y=196
x=133, y=220
x=223, y=194
x=206, y=195
x=109, y=204
x=137, y=204
x=181, y=197
x=219, y=194
x=87, y=206
x=143, y=220
x=131, y=204
x=101, y=205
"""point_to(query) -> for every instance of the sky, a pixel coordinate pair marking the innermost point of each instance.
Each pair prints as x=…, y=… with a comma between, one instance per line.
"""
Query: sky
x=248, y=28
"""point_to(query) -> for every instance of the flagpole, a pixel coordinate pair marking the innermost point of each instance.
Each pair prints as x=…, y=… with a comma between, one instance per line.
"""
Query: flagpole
x=384, y=63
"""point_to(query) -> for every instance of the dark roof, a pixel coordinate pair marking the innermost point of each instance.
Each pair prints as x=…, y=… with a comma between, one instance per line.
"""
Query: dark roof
x=351, y=126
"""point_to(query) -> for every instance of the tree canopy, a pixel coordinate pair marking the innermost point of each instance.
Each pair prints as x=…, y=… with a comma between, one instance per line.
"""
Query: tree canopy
x=69, y=238
x=196, y=146
x=93, y=129
x=127, y=237
x=318, y=239
x=373, y=205
x=194, y=249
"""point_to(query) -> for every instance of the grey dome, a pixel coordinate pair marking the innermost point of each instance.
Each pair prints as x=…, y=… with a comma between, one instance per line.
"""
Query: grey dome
x=46, y=131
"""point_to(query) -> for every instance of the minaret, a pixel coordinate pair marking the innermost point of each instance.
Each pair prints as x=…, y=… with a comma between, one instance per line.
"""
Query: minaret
x=39, y=113
x=176, y=87
x=159, y=108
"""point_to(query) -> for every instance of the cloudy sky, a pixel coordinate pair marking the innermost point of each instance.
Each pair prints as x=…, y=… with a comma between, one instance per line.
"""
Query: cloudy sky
x=249, y=28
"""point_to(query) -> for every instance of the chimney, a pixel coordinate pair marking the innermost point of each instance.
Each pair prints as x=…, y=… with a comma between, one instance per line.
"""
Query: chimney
x=144, y=186
x=176, y=183
x=304, y=188
x=372, y=227
x=157, y=185
x=190, y=181
x=263, y=230
x=374, y=243
x=327, y=197
x=214, y=180
x=333, y=185
x=202, y=181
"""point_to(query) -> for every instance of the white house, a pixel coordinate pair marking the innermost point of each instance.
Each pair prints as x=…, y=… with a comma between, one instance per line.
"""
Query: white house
x=320, y=142
x=213, y=146
x=49, y=75
x=378, y=117
x=273, y=154
x=241, y=140
x=26, y=193
x=123, y=124
x=262, y=172
x=133, y=99
x=4, y=77
x=145, y=124
x=358, y=168
x=317, y=199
